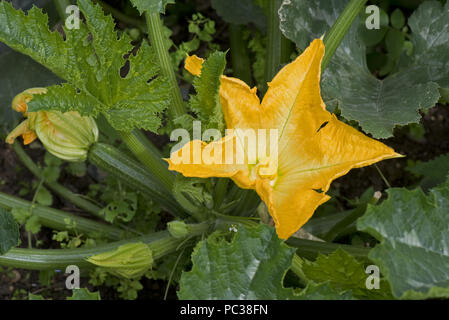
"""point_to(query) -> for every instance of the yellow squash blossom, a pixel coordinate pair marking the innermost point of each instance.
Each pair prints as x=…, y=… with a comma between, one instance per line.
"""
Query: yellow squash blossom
x=314, y=147
x=194, y=65
x=66, y=135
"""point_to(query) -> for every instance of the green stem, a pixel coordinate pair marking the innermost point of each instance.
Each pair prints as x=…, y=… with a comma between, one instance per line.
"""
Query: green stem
x=160, y=243
x=57, y=219
x=336, y=34
x=61, y=6
x=241, y=63
x=156, y=34
x=382, y=176
x=221, y=189
x=57, y=188
x=335, y=231
x=122, y=17
x=158, y=169
x=309, y=248
x=133, y=174
x=296, y=267
x=274, y=46
x=286, y=49
x=148, y=157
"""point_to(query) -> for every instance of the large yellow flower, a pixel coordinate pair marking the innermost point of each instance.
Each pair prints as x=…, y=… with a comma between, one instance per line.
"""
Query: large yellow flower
x=314, y=147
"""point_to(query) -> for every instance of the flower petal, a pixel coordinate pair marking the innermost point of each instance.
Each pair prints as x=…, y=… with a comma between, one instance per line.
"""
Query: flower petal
x=202, y=160
x=240, y=103
x=194, y=64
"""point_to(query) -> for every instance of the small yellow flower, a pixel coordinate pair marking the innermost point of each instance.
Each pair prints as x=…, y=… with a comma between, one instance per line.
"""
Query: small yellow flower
x=193, y=64
x=314, y=147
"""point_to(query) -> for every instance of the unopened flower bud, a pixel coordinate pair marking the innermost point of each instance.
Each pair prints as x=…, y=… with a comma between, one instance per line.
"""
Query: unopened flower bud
x=178, y=229
x=66, y=135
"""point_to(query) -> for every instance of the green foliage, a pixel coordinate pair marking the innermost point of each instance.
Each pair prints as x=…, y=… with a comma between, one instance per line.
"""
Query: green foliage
x=220, y=269
x=127, y=288
x=84, y=294
x=206, y=103
x=412, y=228
x=344, y=272
x=378, y=105
x=151, y=6
x=241, y=12
x=257, y=45
x=202, y=30
x=196, y=189
x=90, y=59
x=433, y=172
x=9, y=232
x=25, y=217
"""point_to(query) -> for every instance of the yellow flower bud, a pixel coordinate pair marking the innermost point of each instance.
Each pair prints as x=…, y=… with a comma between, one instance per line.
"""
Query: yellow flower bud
x=66, y=135
x=20, y=102
x=130, y=261
x=178, y=229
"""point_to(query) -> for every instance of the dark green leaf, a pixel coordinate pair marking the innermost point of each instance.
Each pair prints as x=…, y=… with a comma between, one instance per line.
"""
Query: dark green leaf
x=9, y=232
x=433, y=171
x=240, y=269
x=344, y=272
x=378, y=105
x=240, y=12
x=413, y=253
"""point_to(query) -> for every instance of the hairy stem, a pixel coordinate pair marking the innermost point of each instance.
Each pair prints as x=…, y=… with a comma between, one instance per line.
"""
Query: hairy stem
x=156, y=34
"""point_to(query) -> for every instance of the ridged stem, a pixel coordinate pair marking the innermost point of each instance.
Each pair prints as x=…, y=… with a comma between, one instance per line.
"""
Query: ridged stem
x=274, y=46
x=160, y=243
x=149, y=158
x=156, y=34
x=57, y=219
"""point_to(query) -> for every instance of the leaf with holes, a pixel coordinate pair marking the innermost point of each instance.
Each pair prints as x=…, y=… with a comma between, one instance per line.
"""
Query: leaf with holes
x=91, y=60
